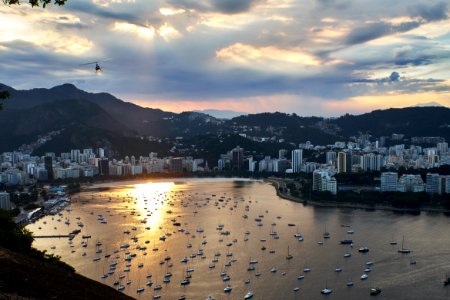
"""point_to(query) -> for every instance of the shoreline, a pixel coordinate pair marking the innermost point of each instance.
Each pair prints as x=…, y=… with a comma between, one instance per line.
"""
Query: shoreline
x=334, y=204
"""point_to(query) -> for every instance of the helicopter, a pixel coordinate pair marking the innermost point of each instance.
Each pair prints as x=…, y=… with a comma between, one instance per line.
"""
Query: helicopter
x=97, y=68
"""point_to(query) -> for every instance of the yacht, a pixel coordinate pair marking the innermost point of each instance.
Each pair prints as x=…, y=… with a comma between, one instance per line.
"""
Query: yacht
x=139, y=289
x=375, y=291
x=296, y=289
x=273, y=270
x=300, y=277
x=364, y=276
x=404, y=250
x=326, y=291
x=227, y=289
x=120, y=287
x=248, y=295
x=349, y=283
x=363, y=249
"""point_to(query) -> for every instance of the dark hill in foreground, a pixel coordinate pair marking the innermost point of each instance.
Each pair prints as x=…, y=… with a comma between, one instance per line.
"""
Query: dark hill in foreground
x=23, y=277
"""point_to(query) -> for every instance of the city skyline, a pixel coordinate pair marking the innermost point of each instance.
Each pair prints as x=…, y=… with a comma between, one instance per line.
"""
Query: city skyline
x=313, y=58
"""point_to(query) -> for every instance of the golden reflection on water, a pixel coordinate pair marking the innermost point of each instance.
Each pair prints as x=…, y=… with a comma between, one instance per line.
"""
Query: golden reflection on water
x=150, y=201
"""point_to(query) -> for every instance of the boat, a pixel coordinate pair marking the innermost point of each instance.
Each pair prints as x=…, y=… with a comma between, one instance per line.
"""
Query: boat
x=248, y=295
x=447, y=280
x=139, y=289
x=363, y=249
x=404, y=250
x=326, y=290
x=346, y=242
x=350, y=283
x=296, y=289
x=375, y=291
x=289, y=256
x=227, y=289
x=326, y=234
x=364, y=276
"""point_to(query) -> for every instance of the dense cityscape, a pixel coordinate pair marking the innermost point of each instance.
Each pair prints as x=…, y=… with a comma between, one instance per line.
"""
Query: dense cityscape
x=358, y=156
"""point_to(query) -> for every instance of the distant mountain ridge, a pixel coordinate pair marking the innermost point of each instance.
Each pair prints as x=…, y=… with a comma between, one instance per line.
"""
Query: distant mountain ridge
x=100, y=119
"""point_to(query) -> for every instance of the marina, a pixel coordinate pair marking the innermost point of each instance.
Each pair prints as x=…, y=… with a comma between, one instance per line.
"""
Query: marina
x=190, y=239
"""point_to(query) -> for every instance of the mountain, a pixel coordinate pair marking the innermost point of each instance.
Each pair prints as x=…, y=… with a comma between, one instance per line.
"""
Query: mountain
x=222, y=114
x=81, y=119
x=429, y=104
x=410, y=121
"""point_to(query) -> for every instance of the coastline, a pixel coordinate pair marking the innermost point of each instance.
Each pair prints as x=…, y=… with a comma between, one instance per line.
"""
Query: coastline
x=334, y=204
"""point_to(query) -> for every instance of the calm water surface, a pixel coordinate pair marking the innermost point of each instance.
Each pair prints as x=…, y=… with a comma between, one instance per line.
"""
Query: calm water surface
x=139, y=214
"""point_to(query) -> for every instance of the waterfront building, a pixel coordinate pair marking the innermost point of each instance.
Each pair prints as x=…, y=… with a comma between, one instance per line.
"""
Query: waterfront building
x=5, y=202
x=48, y=163
x=322, y=181
x=389, y=181
x=237, y=158
x=297, y=160
x=445, y=184
x=433, y=183
x=410, y=183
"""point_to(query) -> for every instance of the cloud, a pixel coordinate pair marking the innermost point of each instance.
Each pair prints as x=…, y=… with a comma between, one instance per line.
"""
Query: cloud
x=376, y=30
x=233, y=6
x=430, y=13
x=394, y=76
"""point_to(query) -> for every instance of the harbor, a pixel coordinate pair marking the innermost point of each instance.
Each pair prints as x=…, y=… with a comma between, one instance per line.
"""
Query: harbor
x=228, y=239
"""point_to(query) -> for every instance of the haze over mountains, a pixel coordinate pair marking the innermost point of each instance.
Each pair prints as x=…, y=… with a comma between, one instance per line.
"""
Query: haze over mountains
x=102, y=120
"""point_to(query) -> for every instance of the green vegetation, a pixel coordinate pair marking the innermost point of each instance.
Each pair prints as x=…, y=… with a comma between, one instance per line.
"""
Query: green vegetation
x=19, y=239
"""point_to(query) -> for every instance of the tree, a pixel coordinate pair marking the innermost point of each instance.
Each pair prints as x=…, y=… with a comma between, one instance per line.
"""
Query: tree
x=36, y=2
x=3, y=96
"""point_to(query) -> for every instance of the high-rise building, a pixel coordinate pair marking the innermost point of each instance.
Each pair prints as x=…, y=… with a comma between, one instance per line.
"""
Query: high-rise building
x=282, y=153
x=371, y=162
x=5, y=202
x=330, y=158
x=433, y=183
x=342, y=162
x=237, y=158
x=48, y=164
x=176, y=164
x=442, y=148
x=75, y=155
x=297, y=160
x=322, y=181
x=445, y=184
x=103, y=167
x=389, y=181
x=410, y=183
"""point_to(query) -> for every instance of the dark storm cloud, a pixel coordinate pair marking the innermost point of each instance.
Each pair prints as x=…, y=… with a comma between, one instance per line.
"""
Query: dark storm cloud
x=431, y=13
x=394, y=76
x=376, y=30
x=221, y=6
x=108, y=13
x=233, y=6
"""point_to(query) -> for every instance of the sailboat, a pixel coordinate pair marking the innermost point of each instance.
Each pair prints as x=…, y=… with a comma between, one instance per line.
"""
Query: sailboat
x=289, y=256
x=403, y=249
x=326, y=234
x=326, y=290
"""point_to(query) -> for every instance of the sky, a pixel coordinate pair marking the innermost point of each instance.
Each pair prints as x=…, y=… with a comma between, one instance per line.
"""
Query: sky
x=309, y=57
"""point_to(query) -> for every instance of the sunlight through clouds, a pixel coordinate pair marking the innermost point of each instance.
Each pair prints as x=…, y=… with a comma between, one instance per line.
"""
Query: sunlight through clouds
x=266, y=57
x=167, y=51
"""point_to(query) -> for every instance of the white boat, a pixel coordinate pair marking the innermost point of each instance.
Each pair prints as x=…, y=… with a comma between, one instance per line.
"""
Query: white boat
x=227, y=289
x=273, y=270
x=364, y=276
x=326, y=291
x=248, y=295
x=139, y=289
x=404, y=250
